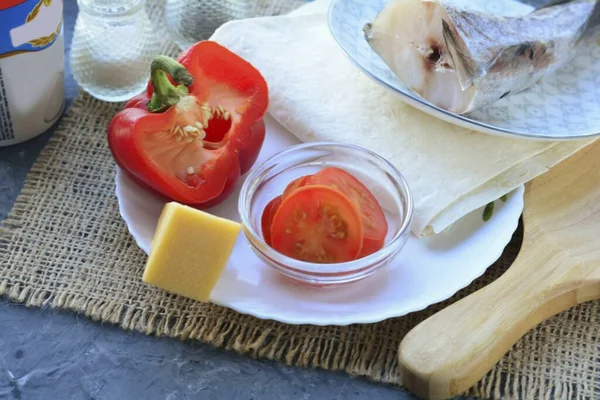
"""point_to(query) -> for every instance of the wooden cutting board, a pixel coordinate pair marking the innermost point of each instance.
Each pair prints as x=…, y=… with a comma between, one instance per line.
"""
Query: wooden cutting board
x=558, y=267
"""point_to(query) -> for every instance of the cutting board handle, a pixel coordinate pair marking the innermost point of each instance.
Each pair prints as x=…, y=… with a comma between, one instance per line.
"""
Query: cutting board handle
x=451, y=351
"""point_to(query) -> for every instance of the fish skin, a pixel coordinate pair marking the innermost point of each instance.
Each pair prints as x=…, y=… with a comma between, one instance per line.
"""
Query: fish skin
x=592, y=25
x=495, y=56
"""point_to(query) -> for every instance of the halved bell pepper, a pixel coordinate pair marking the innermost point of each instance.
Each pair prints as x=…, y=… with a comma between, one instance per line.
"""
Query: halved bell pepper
x=198, y=127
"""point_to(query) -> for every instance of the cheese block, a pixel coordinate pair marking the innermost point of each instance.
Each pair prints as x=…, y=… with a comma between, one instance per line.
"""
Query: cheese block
x=190, y=250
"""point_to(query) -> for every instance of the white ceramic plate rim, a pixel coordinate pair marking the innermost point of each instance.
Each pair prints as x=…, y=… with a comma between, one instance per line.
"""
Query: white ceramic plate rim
x=420, y=103
x=502, y=240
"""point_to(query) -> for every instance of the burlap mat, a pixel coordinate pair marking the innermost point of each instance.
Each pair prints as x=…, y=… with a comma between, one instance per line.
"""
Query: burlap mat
x=65, y=245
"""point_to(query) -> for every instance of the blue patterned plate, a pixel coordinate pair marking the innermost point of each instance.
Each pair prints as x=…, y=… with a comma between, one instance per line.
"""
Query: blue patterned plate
x=563, y=106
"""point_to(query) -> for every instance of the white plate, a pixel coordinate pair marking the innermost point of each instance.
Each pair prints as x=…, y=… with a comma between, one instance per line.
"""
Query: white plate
x=564, y=106
x=427, y=271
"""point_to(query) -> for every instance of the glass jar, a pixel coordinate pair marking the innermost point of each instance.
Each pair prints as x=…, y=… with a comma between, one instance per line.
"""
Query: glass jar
x=190, y=21
x=269, y=178
x=113, y=46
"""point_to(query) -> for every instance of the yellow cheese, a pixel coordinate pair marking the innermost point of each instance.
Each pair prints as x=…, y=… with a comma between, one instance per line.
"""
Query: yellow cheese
x=190, y=250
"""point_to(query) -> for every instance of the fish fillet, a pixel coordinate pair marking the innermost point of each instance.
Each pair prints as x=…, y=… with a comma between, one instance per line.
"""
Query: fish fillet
x=461, y=60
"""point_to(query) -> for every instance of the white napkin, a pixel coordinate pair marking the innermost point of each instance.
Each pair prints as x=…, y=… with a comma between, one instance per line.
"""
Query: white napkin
x=318, y=94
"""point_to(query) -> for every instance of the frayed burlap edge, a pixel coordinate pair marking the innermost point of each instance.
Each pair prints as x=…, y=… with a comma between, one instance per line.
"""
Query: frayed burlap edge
x=48, y=262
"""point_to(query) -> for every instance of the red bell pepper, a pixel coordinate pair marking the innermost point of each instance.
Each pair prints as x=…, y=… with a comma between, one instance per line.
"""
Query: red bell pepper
x=192, y=142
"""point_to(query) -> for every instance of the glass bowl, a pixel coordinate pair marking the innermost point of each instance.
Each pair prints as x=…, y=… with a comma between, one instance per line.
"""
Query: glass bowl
x=269, y=179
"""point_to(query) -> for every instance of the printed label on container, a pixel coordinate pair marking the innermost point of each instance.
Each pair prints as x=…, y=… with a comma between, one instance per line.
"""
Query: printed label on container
x=29, y=25
x=6, y=127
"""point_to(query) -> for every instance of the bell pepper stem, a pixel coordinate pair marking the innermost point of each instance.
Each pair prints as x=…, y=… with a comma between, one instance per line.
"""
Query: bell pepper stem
x=165, y=93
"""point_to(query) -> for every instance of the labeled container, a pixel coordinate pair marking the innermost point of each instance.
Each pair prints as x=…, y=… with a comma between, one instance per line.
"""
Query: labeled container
x=32, y=89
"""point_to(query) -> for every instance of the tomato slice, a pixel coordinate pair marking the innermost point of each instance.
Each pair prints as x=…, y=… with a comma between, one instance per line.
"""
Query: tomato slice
x=372, y=215
x=267, y=217
x=319, y=224
x=295, y=184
